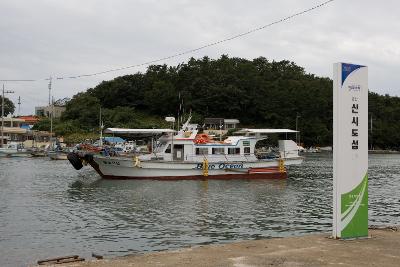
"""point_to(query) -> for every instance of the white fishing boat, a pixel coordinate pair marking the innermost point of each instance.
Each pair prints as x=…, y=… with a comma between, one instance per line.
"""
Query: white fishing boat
x=14, y=149
x=190, y=155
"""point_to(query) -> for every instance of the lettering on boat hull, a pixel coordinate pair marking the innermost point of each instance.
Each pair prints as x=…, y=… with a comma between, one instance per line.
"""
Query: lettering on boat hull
x=220, y=166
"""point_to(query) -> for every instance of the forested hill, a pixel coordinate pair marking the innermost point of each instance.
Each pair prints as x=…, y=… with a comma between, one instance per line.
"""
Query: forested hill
x=260, y=93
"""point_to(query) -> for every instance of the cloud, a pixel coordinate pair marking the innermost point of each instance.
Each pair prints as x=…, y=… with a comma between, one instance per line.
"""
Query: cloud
x=43, y=37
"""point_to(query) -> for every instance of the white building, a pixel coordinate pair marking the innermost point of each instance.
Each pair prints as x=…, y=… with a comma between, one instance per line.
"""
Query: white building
x=12, y=130
x=46, y=111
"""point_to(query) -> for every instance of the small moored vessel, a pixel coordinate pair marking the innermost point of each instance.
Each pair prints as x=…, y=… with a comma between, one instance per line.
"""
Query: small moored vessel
x=57, y=155
x=58, y=151
x=14, y=149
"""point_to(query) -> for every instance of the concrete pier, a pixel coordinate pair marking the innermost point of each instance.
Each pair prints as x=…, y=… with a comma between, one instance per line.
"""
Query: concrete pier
x=381, y=249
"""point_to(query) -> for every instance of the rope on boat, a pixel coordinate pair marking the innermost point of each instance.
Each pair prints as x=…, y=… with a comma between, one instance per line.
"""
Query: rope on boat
x=205, y=167
x=136, y=162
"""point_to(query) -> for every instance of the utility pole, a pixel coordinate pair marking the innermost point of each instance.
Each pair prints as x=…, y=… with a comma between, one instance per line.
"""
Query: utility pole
x=50, y=79
x=19, y=105
x=2, y=115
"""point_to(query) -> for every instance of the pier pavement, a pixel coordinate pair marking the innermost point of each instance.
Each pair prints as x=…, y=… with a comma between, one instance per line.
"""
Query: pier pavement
x=381, y=249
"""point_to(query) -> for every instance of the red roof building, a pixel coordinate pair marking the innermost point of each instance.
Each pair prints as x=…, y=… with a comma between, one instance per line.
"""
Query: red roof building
x=30, y=119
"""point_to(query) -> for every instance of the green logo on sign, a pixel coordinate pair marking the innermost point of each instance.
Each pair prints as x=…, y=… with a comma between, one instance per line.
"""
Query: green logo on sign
x=354, y=211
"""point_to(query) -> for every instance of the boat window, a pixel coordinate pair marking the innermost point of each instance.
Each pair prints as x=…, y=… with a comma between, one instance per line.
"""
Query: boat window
x=218, y=150
x=234, y=150
x=246, y=143
x=247, y=150
x=168, y=150
x=201, y=151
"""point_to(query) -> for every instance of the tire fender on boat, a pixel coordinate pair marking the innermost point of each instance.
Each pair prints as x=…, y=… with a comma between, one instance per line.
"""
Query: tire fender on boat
x=75, y=160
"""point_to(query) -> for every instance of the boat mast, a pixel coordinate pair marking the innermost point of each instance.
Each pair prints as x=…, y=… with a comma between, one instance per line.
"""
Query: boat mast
x=51, y=118
x=220, y=131
x=51, y=109
x=101, y=129
x=172, y=144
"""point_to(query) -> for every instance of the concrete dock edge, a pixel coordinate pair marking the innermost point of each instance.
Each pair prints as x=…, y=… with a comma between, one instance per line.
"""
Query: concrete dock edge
x=381, y=249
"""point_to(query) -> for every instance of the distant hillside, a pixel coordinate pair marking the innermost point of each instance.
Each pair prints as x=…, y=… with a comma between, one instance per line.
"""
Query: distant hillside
x=258, y=92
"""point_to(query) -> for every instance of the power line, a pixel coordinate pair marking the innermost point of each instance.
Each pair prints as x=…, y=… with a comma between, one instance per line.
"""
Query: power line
x=187, y=51
x=13, y=80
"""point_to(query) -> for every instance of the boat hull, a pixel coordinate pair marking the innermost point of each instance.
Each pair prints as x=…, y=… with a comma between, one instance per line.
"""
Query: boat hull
x=57, y=155
x=38, y=154
x=126, y=168
x=10, y=154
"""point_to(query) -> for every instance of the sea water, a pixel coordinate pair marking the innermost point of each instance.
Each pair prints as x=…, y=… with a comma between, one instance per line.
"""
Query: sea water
x=48, y=209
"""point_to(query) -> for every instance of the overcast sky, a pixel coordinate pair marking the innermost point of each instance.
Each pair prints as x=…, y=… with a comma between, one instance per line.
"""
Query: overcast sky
x=66, y=38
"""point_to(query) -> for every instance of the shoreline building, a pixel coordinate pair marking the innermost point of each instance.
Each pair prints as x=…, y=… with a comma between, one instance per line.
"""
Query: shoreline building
x=20, y=130
x=215, y=126
x=12, y=130
x=45, y=111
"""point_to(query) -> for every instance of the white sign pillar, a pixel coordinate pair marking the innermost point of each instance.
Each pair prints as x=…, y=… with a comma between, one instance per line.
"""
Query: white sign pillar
x=350, y=151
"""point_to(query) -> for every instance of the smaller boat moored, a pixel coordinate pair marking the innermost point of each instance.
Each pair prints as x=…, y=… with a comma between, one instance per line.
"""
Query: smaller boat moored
x=14, y=149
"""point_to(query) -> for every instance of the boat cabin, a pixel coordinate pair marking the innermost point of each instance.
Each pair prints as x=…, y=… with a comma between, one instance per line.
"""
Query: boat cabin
x=190, y=145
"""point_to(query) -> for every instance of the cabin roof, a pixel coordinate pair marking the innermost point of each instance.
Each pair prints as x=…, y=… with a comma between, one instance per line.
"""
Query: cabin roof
x=231, y=121
x=266, y=131
x=114, y=139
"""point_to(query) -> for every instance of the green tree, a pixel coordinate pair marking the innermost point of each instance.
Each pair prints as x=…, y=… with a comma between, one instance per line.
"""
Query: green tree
x=9, y=107
x=42, y=125
x=83, y=110
x=258, y=92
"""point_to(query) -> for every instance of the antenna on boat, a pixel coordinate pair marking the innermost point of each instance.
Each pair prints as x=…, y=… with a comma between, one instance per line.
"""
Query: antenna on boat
x=186, y=124
x=220, y=130
x=172, y=120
